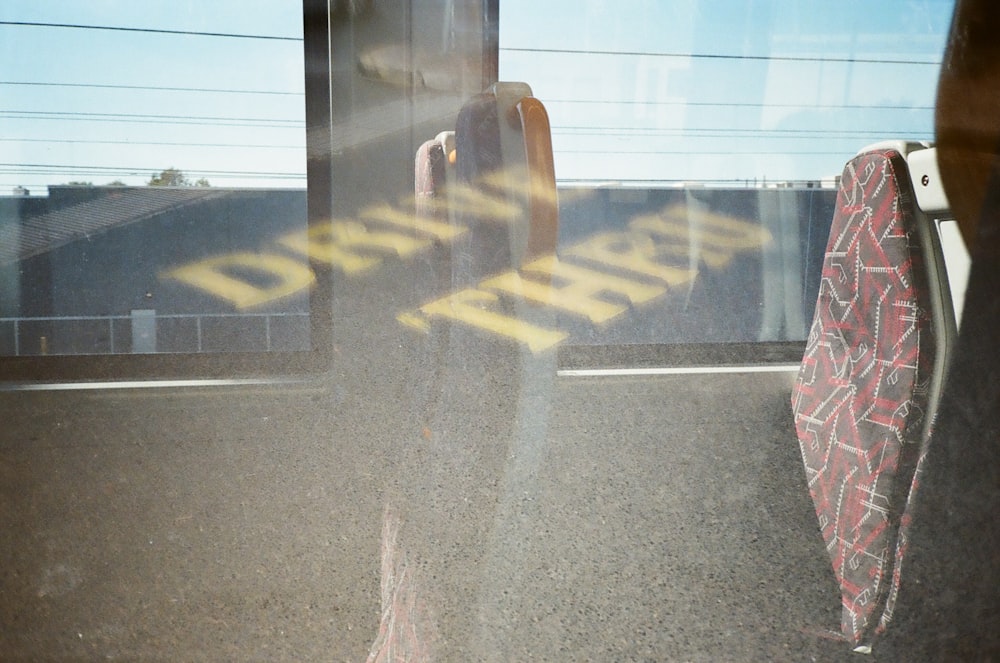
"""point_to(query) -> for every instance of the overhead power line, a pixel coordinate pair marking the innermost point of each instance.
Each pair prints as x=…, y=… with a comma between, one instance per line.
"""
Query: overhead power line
x=695, y=132
x=27, y=169
x=739, y=104
x=158, y=88
x=724, y=56
x=74, y=141
x=206, y=120
x=652, y=181
x=118, y=28
x=130, y=168
x=699, y=153
x=154, y=116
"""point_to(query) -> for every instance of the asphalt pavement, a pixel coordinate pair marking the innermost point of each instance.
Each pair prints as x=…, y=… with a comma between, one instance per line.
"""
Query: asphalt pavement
x=473, y=508
x=436, y=495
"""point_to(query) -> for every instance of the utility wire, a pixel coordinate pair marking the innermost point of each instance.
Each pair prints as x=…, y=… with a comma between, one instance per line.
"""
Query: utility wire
x=623, y=102
x=698, y=153
x=176, y=122
x=25, y=169
x=116, y=28
x=753, y=182
x=107, y=86
x=723, y=56
x=193, y=120
x=735, y=104
x=158, y=143
x=130, y=168
x=210, y=118
x=639, y=132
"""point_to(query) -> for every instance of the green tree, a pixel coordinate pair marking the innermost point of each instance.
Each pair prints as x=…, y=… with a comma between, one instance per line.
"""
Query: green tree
x=169, y=177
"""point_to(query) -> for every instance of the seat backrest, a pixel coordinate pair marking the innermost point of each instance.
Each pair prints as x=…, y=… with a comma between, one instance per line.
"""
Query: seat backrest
x=433, y=170
x=869, y=380
x=494, y=175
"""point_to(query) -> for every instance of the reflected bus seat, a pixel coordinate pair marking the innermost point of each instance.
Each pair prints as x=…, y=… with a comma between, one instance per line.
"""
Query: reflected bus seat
x=433, y=169
x=494, y=175
x=871, y=376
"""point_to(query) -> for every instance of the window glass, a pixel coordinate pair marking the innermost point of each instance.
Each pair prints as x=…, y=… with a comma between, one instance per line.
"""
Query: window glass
x=727, y=93
x=154, y=164
x=713, y=134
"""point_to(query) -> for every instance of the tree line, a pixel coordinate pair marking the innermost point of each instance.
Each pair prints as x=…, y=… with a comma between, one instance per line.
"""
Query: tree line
x=168, y=177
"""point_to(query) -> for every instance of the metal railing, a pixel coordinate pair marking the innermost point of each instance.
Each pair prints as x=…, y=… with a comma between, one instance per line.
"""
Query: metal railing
x=138, y=322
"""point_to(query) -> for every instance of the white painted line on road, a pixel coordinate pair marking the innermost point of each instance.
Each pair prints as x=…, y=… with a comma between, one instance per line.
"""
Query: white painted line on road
x=145, y=384
x=677, y=370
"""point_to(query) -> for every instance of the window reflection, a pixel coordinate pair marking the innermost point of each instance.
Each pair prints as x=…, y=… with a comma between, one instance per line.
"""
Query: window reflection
x=175, y=139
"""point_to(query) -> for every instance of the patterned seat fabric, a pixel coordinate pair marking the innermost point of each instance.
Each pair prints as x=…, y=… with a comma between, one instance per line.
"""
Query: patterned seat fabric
x=861, y=393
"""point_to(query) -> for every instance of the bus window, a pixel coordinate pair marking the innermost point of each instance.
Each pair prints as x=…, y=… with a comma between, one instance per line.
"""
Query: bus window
x=717, y=134
x=148, y=188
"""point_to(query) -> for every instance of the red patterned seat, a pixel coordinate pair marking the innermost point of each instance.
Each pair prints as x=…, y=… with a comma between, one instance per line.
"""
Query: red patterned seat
x=862, y=393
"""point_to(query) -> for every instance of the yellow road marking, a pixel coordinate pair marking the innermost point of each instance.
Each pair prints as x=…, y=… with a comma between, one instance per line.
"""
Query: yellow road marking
x=356, y=235
x=332, y=244
x=471, y=200
x=469, y=307
x=319, y=243
x=655, y=246
x=389, y=214
x=579, y=295
x=519, y=182
x=631, y=252
x=217, y=277
x=724, y=233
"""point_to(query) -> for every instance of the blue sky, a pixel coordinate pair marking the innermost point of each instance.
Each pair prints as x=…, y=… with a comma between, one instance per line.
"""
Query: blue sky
x=127, y=134
x=724, y=90
x=651, y=92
